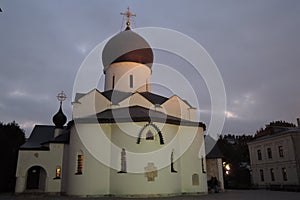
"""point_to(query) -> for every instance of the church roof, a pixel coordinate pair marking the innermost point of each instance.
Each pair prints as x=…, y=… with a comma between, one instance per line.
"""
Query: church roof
x=78, y=96
x=154, y=98
x=215, y=152
x=63, y=138
x=137, y=114
x=42, y=134
x=115, y=96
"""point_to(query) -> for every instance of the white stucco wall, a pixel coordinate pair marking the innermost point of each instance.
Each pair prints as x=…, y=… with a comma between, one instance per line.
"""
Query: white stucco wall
x=48, y=160
x=98, y=179
x=122, y=71
x=95, y=177
x=191, y=161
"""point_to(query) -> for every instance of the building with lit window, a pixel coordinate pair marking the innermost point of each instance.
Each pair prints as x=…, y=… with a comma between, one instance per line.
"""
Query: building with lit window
x=275, y=157
x=57, y=159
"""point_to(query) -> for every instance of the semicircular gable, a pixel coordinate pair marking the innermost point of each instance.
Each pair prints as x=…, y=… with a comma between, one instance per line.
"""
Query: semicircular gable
x=177, y=107
x=90, y=103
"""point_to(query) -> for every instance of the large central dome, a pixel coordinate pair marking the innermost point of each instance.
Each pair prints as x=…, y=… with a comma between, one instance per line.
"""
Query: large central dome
x=127, y=46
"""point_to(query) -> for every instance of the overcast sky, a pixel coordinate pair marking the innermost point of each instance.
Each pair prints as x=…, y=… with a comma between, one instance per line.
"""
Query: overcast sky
x=254, y=43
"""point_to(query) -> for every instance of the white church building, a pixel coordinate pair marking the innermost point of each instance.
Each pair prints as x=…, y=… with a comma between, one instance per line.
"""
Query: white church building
x=147, y=153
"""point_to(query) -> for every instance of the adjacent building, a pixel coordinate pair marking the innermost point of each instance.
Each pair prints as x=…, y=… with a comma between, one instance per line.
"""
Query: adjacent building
x=214, y=165
x=275, y=157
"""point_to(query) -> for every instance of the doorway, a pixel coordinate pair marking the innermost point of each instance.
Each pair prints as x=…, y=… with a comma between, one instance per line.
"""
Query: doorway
x=36, y=178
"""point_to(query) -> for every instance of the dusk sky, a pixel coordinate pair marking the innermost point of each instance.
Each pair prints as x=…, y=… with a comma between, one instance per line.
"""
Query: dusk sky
x=254, y=43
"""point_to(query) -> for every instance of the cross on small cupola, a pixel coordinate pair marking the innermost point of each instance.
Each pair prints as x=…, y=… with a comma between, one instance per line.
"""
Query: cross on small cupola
x=128, y=15
x=61, y=97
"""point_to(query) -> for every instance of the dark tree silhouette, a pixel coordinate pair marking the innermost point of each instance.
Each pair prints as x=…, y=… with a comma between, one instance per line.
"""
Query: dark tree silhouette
x=11, y=137
x=235, y=152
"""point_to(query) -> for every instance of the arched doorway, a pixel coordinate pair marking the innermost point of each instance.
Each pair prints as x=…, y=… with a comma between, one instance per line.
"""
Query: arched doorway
x=36, y=178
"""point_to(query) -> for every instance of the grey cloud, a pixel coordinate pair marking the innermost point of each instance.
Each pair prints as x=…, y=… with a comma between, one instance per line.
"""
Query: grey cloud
x=254, y=43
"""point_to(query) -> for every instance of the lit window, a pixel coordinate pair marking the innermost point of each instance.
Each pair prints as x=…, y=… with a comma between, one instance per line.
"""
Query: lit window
x=284, y=174
x=262, y=177
x=79, y=164
x=259, y=157
x=149, y=136
x=57, y=172
x=280, y=151
x=269, y=151
x=272, y=174
x=131, y=81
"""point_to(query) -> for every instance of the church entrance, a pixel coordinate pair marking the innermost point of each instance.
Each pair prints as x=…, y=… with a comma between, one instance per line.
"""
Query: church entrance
x=36, y=178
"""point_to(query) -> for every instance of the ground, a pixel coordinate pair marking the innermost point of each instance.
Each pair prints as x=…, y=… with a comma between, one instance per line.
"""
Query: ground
x=228, y=195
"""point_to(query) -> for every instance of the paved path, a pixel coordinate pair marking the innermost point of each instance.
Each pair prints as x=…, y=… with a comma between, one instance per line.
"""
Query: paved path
x=228, y=195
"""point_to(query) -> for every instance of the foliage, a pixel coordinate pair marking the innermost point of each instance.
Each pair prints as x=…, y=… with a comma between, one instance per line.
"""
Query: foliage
x=236, y=153
x=11, y=137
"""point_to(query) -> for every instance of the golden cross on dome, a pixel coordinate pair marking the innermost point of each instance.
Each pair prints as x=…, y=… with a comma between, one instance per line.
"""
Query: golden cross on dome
x=61, y=97
x=128, y=15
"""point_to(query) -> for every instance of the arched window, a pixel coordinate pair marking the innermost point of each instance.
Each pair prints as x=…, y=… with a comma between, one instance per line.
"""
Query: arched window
x=79, y=163
x=149, y=135
x=131, y=81
x=195, y=179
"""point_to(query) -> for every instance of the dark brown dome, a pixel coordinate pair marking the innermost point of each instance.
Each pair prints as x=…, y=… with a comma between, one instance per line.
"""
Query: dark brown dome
x=59, y=119
x=127, y=46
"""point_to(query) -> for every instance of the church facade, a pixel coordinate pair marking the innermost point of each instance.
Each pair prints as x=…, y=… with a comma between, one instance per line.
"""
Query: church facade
x=135, y=121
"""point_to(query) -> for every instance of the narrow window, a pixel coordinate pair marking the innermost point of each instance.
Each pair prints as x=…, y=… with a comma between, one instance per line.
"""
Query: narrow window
x=195, y=179
x=259, y=155
x=280, y=151
x=284, y=174
x=113, y=82
x=57, y=172
x=269, y=151
x=149, y=136
x=272, y=174
x=123, y=161
x=131, y=81
x=79, y=164
x=172, y=163
x=262, y=177
x=203, y=166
